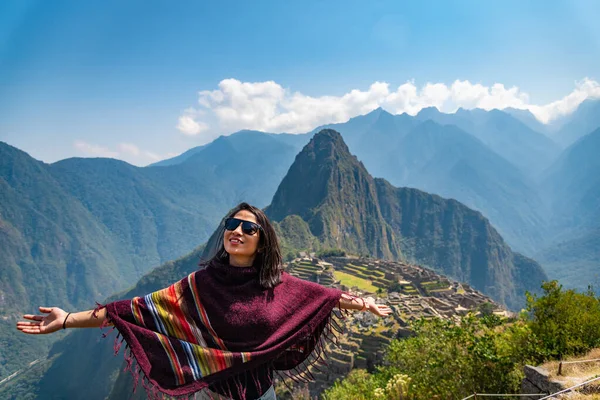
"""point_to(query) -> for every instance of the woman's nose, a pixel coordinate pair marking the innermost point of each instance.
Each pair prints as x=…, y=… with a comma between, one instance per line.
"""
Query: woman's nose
x=238, y=230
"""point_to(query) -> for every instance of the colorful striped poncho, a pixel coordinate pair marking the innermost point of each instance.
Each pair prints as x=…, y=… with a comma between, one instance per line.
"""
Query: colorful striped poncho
x=218, y=326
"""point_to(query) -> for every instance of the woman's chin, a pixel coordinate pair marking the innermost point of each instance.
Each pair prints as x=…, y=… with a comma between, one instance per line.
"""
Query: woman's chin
x=235, y=251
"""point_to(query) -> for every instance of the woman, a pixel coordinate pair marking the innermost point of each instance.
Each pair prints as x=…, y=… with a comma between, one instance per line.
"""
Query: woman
x=225, y=328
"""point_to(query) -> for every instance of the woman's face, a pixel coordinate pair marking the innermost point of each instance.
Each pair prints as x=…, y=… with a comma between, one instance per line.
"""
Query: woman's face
x=241, y=247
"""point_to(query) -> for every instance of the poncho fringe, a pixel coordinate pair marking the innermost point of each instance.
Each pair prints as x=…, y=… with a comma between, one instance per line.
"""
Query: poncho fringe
x=287, y=358
x=299, y=375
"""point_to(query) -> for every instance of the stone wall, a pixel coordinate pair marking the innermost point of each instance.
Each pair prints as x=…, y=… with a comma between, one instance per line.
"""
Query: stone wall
x=536, y=381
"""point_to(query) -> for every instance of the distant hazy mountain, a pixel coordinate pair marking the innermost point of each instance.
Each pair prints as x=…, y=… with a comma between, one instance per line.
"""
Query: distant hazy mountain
x=585, y=119
x=250, y=164
x=574, y=259
x=373, y=136
x=572, y=185
x=344, y=207
x=244, y=137
x=525, y=148
x=180, y=158
x=526, y=117
x=156, y=215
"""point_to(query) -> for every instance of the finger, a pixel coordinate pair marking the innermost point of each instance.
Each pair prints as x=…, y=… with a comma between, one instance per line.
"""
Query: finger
x=28, y=328
x=33, y=317
x=45, y=309
x=31, y=331
x=22, y=323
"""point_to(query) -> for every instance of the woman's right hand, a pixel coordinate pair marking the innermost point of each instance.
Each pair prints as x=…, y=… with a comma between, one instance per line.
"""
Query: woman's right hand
x=51, y=322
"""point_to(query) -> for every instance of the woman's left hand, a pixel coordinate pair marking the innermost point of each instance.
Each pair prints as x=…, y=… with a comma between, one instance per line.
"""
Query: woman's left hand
x=380, y=310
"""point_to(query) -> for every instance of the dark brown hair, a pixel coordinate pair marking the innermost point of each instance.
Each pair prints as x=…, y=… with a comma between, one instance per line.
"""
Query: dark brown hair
x=268, y=258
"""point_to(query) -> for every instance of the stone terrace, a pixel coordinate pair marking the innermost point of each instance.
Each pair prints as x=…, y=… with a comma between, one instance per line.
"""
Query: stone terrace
x=411, y=291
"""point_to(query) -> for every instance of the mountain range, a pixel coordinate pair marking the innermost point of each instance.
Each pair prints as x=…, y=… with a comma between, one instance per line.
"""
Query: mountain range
x=329, y=192
x=79, y=230
x=492, y=161
x=345, y=207
x=75, y=231
x=446, y=160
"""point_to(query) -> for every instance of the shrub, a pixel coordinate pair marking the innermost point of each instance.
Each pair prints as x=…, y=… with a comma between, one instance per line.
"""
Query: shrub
x=331, y=253
x=565, y=321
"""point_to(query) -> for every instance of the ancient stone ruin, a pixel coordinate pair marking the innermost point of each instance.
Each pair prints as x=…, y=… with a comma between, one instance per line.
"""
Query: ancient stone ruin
x=413, y=292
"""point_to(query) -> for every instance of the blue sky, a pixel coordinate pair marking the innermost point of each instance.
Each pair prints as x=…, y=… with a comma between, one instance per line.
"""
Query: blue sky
x=114, y=78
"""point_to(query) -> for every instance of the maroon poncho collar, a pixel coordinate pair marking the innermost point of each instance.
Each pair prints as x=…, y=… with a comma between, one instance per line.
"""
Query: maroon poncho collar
x=217, y=323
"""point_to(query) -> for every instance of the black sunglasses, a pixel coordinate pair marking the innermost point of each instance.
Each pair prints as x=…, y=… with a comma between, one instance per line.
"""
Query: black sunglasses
x=249, y=228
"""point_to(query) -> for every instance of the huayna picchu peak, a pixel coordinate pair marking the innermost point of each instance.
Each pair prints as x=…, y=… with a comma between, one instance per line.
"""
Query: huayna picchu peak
x=345, y=207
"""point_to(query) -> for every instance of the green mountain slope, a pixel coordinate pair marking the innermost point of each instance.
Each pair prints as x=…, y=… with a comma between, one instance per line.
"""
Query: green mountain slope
x=78, y=230
x=53, y=251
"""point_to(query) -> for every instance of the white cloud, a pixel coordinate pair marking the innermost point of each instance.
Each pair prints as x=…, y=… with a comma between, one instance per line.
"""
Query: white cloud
x=467, y=95
x=587, y=88
x=268, y=106
x=188, y=125
x=124, y=151
x=129, y=148
x=89, y=149
x=134, y=151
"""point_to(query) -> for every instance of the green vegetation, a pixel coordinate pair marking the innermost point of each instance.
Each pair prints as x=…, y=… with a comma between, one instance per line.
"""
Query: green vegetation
x=565, y=321
x=366, y=276
x=358, y=385
x=331, y=253
x=447, y=360
x=364, y=270
x=405, y=288
x=294, y=236
x=352, y=280
x=435, y=285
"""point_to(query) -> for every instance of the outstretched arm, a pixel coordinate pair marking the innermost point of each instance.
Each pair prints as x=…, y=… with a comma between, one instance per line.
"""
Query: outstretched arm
x=350, y=302
x=56, y=318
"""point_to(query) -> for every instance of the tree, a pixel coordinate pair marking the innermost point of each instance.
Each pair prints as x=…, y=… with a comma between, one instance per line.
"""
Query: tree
x=565, y=321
